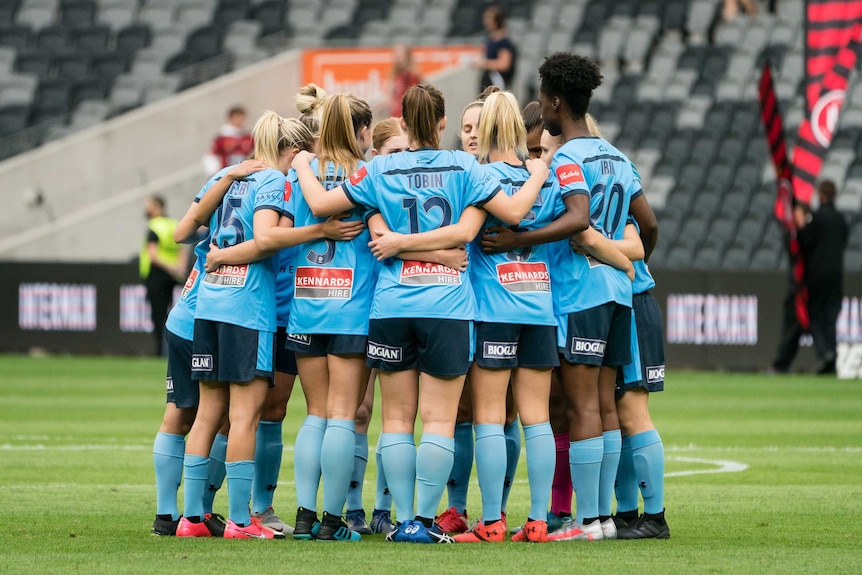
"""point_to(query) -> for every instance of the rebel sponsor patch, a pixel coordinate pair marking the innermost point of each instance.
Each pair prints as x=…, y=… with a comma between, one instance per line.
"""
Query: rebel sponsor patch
x=655, y=374
x=190, y=282
x=234, y=276
x=423, y=273
x=323, y=283
x=358, y=176
x=500, y=350
x=583, y=346
x=300, y=338
x=202, y=362
x=384, y=352
x=524, y=276
x=288, y=190
x=569, y=174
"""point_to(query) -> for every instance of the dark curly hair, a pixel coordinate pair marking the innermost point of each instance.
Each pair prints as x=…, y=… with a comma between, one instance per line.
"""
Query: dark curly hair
x=571, y=78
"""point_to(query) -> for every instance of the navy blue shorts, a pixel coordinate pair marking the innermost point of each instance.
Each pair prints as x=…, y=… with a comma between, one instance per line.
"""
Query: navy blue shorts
x=597, y=336
x=646, y=369
x=319, y=345
x=438, y=347
x=228, y=353
x=285, y=359
x=183, y=391
x=507, y=346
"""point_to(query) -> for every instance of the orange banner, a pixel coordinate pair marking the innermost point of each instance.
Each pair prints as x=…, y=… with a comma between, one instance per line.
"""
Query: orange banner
x=367, y=72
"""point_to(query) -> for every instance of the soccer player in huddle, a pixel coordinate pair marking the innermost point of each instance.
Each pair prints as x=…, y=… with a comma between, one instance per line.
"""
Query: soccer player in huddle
x=387, y=137
x=594, y=301
x=232, y=351
x=421, y=314
x=328, y=328
x=182, y=390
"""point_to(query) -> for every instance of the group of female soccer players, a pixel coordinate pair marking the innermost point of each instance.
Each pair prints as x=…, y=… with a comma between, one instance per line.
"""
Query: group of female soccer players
x=421, y=269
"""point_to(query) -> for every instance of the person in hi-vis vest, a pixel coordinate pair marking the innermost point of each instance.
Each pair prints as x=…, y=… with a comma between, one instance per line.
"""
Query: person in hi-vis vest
x=161, y=263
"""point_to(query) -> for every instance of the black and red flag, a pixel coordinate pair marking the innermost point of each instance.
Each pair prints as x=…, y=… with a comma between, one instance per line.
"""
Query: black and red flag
x=784, y=201
x=832, y=36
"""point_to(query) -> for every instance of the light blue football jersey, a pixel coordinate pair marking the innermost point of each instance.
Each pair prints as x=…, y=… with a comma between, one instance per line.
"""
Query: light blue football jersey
x=643, y=278
x=418, y=191
x=594, y=167
x=244, y=294
x=515, y=287
x=334, y=281
x=181, y=319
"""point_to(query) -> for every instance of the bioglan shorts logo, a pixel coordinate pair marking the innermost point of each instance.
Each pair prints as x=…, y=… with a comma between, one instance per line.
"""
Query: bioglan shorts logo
x=583, y=346
x=655, y=374
x=202, y=362
x=384, y=352
x=301, y=338
x=500, y=350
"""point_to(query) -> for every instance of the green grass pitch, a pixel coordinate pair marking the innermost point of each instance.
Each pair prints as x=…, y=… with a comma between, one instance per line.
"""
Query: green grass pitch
x=764, y=476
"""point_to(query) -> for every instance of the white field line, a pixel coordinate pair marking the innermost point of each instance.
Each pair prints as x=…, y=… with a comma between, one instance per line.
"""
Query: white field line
x=723, y=466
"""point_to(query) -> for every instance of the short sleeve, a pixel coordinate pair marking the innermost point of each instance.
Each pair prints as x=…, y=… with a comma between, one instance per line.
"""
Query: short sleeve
x=269, y=194
x=569, y=172
x=637, y=190
x=482, y=186
x=152, y=237
x=358, y=187
x=291, y=193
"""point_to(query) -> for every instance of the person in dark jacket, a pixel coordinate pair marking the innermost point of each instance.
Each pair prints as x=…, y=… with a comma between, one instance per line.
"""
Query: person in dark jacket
x=823, y=238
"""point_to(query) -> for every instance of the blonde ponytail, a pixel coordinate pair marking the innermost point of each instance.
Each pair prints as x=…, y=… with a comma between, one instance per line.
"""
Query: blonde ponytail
x=267, y=135
x=273, y=134
x=501, y=126
x=343, y=117
x=309, y=103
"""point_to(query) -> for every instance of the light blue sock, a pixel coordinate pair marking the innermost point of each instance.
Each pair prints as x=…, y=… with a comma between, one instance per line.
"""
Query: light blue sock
x=306, y=461
x=357, y=480
x=612, y=443
x=168, y=452
x=491, y=468
x=398, y=453
x=626, y=488
x=215, y=473
x=513, y=454
x=648, y=457
x=434, y=460
x=585, y=463
x=541, y=461
x=268, y=449
x=459, y=478
x=336, y=463
x=382, y=498
x=194, y=485
x=240, y=474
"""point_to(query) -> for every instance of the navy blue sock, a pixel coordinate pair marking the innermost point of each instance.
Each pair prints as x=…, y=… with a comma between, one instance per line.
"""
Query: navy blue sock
x=513, y=455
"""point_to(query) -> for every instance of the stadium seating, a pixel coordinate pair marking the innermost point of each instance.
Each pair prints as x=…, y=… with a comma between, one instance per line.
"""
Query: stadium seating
x=679, y=92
